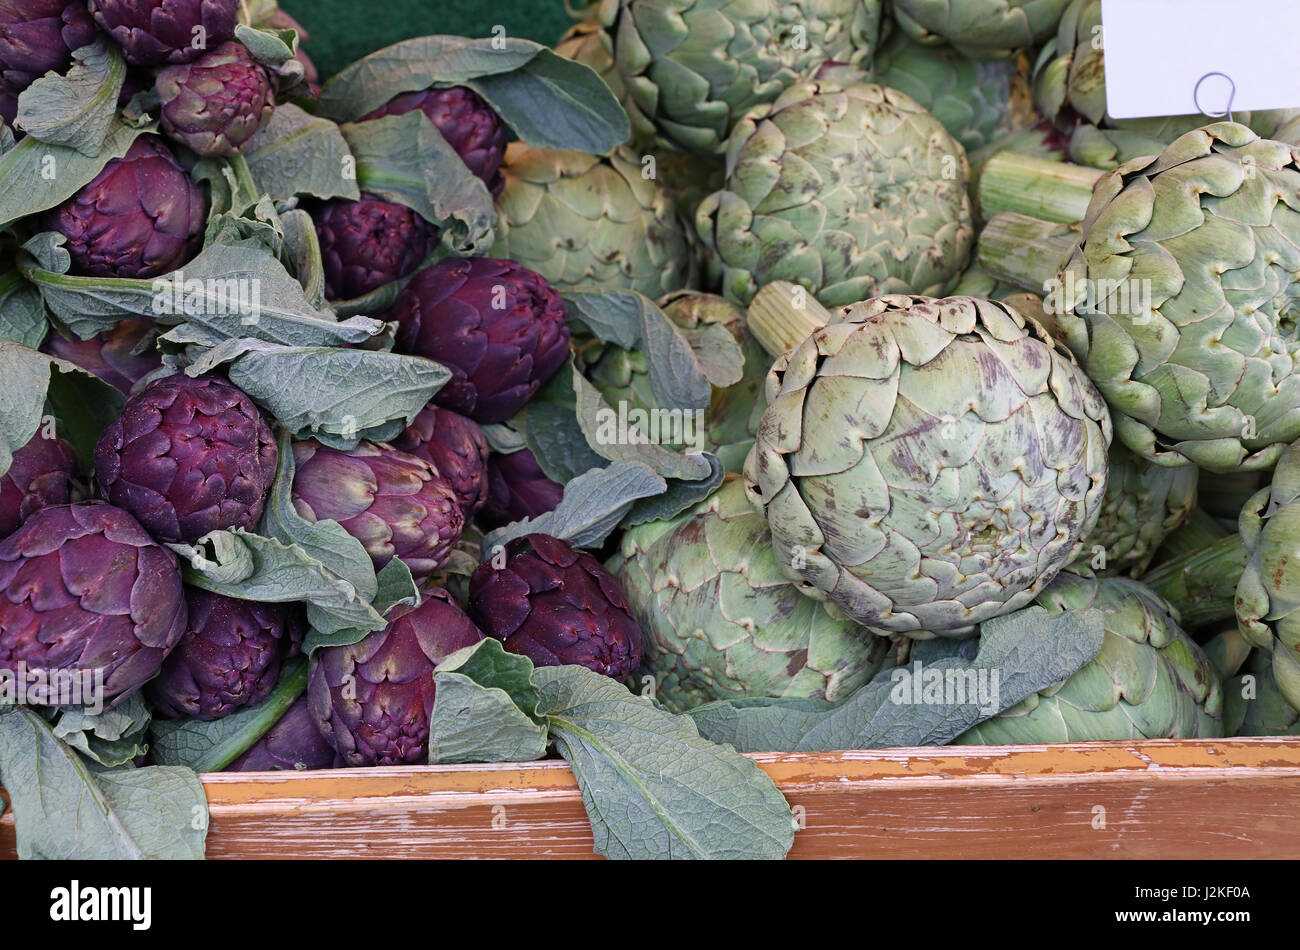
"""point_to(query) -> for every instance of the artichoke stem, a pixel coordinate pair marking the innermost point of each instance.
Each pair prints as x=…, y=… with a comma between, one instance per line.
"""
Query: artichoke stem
x=1202, y=584
x=1028, y=252
x=1201, y=530
x=1026, y=184
x=783, y=315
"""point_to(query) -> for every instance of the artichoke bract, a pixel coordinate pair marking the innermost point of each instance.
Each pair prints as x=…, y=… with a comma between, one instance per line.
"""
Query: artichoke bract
x=1150, y=681
x=120, y=357
x=83, y=587
x=732, y=417
x=983, y=29
x=973, y=99
x=1254, y=706
x=292, y=744
x=166, y=31
x=556, y=605
x=497, y=326
x=39, y=36
x=517, y=489
x=141, y=216
x=228, y=658
x=187, y=457
x=693, y=67
x=851, y=191
x=217, y=103
x=721, y=619
x=368, y=243
x=471, y=127
x=40, y=476
x=457, y=449
x=582, y=221
x=372, y=701
x=1180, y=301
x=590, y=45
x=924, y=464
x=1144, y=504
x=394, y=503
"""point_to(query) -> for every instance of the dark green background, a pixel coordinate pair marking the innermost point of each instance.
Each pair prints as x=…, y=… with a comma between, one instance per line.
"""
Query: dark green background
x=342, y=31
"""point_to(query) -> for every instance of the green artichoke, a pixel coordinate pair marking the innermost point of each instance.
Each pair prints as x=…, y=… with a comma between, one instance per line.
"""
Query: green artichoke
x=693, y=67
x=587, y=222
x=972, y=99
x=924, y=464
x=1253, y=705
x=1181, y=300
x=982, y=29
x=732, y=417
x=1150, y=681
x=852, y=191
x=1144, y=504
x=721, y=619
x=1070, y=89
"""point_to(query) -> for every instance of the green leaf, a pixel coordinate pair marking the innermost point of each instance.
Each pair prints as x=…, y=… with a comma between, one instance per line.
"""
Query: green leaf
x=27, y=187
x=296, y=153
x=76, y=110
x=593, y=505
x=679, y=496
x=111, y=738
x=63, y=810
x=26, y=375
x=227, y=292
x=405, y=159
x=652, y=787
x=476, y=723
x=84, y=405
x=319, y=391
x=1027, y=652
x=211, y=746
x=553, y=102
x=22, y=312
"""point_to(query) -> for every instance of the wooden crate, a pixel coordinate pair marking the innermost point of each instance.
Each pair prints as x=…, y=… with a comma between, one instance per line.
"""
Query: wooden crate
x=1233, y=798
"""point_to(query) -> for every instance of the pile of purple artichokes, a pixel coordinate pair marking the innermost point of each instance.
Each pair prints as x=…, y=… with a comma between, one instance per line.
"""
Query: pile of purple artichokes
x=513, y=378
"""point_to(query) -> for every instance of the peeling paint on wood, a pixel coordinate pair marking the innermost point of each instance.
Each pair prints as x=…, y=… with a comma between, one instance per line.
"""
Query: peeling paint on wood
x=1158, y=799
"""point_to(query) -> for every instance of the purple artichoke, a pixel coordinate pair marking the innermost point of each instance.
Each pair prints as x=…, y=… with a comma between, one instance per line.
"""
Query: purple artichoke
x=393, y=503
x=497, y=326
x=83, y=587
x=215, y=104
x=456, y=448
x=37, y=36
x=9, y=112
x=518, y=489
x=556, y=606
x=120, y=357
x=40, y=476
x=292, y=744
x=372, y=701
x=470, y=126
x=228, y=658
x=368, y=243
x=186, y=457
x=166, y=31
x=140, y=217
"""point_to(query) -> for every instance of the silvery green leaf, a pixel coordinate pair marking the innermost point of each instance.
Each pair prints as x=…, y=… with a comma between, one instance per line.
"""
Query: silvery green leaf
x=22, y=313
x=653, y=787
x=26, y=375
x=593, y=505
x=1018, y=655
x=110, y=738
x=63, y=809
x=76, y=110
x=296, y=153
x=679, y=496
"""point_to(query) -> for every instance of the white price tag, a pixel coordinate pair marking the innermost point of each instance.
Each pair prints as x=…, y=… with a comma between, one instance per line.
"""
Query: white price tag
x=1158, y=51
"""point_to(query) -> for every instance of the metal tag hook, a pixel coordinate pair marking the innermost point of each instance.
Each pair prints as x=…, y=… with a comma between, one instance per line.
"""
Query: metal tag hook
x=1232, y=95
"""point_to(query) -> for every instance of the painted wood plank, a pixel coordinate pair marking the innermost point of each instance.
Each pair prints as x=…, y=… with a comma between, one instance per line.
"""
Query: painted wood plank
x=1224, y=798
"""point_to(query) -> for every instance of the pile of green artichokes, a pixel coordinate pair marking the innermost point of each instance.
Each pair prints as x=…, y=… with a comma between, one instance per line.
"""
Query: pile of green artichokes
x=702, y=368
